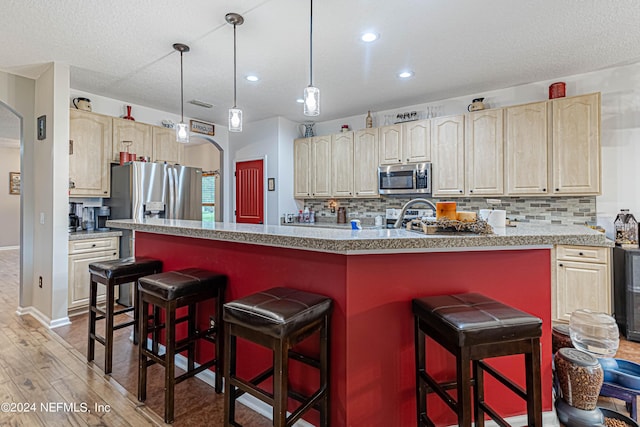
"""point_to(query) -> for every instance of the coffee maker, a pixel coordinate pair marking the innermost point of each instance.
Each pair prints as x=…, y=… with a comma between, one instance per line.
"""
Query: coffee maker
x=74, y=221
x=102, y=215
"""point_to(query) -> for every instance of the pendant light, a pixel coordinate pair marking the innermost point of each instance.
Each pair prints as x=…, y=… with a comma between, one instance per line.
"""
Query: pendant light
x=235, y=114
x=311, y=94
x=182, y=130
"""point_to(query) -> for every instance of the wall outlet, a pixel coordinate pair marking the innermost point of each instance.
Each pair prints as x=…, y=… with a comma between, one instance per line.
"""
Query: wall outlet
x=40, y=281
x=494, y=201
x=41, y=217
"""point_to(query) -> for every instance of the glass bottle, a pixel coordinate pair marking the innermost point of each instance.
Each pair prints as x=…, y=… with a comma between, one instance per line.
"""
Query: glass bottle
x=369, y=120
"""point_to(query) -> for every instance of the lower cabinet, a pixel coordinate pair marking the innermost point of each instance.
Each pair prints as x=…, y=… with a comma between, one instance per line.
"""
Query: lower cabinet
x=81, y=254
x=582, y=280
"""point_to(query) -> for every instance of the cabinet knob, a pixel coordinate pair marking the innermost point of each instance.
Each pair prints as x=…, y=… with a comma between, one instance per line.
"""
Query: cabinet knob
x=461, y=191
x=470, y=191
x=544, y=189
x=580, y=253
x=104, y=192
x=557, y=189
x=114, y=253
x=93, y=246
x=560, y=265
x=407, y=160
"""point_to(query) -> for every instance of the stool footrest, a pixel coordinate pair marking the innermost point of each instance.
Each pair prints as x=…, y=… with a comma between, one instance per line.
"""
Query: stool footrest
x=249, y=387
x=426, y=421
x=123, y=310
x=123, y=325
x=439, y=390
x=195, y=371
x=494, y=415
x=307, y=403
x=505, y=381
x=98, y=338
x=304, y=359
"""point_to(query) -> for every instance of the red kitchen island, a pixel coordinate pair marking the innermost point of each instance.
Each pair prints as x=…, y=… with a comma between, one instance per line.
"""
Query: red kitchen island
x=372, y=276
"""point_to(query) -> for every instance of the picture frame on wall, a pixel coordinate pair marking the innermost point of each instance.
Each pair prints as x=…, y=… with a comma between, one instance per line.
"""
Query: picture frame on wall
x=14, y=182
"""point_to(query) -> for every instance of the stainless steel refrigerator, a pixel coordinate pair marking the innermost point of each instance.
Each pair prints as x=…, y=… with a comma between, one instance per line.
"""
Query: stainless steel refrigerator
x=152, y=190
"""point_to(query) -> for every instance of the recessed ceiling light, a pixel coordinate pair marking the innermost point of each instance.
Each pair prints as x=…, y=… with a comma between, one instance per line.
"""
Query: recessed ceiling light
x=405, y=74
x=370, y=37
x=300, y=101
x=252, y=78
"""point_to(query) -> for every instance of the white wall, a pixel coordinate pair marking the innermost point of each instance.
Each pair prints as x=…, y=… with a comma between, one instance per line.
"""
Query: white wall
x=9, y=203
x=287, y=132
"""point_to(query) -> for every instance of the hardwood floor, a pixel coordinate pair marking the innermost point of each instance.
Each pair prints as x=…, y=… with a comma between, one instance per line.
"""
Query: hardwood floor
x=47, y=369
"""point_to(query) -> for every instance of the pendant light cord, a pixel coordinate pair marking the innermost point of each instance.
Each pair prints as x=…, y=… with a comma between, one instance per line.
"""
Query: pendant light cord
x=181, y=91
x=234, y=65
x=311, y=45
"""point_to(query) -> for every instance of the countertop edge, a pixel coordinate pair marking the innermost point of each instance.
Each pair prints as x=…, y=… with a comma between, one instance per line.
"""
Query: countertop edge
x=87, y=235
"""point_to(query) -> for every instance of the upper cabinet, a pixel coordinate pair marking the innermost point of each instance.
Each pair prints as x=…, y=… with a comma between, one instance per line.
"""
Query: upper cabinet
x=138, y=133
x=390, y=143
x=416, y=141
x=365, y=165
x=321, y=166
x=484, y=157
x=89, y=152
x=302, y=168
x=448, y=155
x=527, y=149
x=165, y=146
x=576, y=144
x=342, y=164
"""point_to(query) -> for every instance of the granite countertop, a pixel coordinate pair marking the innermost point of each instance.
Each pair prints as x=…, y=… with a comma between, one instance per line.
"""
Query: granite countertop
x=370, y=240
x=85, y=235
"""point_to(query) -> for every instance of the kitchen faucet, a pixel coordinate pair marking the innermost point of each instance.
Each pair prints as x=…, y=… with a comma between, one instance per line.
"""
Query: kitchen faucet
x=407, y=205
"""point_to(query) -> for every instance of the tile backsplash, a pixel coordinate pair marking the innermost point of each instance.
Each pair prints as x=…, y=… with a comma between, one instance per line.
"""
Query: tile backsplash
x=550, y=210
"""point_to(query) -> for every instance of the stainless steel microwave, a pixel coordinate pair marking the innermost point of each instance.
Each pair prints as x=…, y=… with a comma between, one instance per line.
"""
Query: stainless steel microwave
x=405, y=179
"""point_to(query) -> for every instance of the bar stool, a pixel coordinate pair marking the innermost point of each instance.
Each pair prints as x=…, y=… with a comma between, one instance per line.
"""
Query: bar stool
x=278, y=319
x=473, y=327
x=170, y=291
x=111, y=274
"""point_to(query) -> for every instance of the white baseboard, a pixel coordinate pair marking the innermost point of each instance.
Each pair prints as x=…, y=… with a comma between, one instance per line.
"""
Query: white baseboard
x=8, y=248
x=549, y=419
x=40, y=317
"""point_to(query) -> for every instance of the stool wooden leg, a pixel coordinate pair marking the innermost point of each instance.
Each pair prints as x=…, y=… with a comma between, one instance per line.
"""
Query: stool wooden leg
x=169, y=369
x=229, y=373
x=221, y=333
x=420, y=354
x=534, y=388
x=108, y=335
x=93, y=299
x=191, y=331
x=463, y=362
x=143, y=327
x=280, y=382
x=478, y=393
x=156, y=329
x=136, y=311
x=325, y=414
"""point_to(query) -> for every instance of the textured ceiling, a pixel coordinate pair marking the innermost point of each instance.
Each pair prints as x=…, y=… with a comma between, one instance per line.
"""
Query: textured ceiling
x=123, y=50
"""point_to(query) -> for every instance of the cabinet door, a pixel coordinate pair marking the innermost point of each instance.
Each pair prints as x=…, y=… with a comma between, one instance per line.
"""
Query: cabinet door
x=390, y=140
x=576, y=145
x=365, y=166
x=448, y=156
x=79, y=276
x=416, y=141
x=138, y=133
x=321, y=163
x=342, y=164
x=526, y=149
x=302, y=168
x=581, y=285
x=89, y=151
x=165, y=146
x=484, y=153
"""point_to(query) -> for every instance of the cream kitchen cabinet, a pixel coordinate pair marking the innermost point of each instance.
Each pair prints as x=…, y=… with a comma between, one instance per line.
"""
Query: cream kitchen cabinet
x=416, y=141
x=365, y=165
x=342, y=164
x=140, y=135
x=390, y=144
x=89, y=153
x=321, y=166
x=447, y=143
x=81, y=254
x=575, y=144
x=582, y=280
x=526, y=146
x=302, y=168
x=165, y=147
x=484, y=158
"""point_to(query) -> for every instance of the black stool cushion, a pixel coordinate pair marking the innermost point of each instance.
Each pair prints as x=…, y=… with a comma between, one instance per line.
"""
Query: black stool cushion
x=176, y=284
x=124, y=267
x=471, y=319
x=277, y=312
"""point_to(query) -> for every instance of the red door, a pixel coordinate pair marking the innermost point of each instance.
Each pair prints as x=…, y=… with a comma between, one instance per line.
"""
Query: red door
x=250, y=192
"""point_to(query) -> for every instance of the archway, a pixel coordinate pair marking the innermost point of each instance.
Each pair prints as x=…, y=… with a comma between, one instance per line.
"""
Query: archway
x=204, y=152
